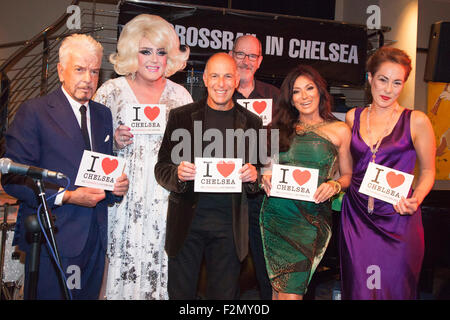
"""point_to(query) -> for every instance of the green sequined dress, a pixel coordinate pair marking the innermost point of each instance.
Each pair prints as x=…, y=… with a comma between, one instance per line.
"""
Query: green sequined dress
x=296, y=233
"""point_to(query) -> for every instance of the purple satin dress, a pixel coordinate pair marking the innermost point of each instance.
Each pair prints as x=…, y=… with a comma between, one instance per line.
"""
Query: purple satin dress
x=381, y=254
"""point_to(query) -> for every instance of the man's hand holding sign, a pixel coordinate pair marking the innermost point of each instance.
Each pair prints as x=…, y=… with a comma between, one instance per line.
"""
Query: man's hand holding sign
x=97, y=172
x=217, y=174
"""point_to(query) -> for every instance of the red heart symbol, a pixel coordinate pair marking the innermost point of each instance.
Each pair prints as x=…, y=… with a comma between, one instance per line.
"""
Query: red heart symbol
x=394, y=180
x=151, y=113
x=224, y=168
x=259, y=106
x=109, y=165
x=301, y=177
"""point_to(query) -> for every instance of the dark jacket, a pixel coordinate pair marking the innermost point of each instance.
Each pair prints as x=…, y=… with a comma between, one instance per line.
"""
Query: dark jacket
x=182, y=199
x=45, y=133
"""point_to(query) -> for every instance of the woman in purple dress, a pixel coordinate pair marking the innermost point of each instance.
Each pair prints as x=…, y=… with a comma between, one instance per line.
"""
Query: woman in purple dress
x=382, y=245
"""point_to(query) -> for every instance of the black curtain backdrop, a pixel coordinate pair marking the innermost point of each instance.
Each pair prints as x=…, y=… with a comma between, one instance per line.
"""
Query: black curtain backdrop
x=337, y=50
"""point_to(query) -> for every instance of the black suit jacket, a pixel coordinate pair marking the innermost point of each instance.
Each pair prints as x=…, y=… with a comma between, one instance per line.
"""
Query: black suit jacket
x=182, y=199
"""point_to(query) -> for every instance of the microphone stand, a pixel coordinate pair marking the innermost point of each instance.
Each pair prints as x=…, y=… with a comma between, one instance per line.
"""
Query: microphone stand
x=34, y=237
x=33, y=228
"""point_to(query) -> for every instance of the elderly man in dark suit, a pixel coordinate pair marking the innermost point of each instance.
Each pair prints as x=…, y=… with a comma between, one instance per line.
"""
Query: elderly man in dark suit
x=52, y=132
x=210, y=224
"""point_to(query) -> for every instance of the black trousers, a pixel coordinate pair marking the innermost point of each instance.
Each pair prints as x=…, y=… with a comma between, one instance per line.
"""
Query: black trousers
x=256, y=248
x=211, y=234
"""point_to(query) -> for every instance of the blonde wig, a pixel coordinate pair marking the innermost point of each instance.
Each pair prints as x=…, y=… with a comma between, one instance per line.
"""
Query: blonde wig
x=156, y=30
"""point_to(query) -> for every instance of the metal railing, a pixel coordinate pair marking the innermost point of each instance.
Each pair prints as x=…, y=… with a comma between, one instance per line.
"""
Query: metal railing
x=31, y=70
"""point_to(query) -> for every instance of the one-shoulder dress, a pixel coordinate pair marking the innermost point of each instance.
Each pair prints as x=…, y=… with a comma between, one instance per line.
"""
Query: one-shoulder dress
x=296, y=233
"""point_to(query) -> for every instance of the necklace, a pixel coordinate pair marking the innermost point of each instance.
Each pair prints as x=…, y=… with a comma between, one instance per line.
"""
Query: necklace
x=370, y=204
x=302, y=127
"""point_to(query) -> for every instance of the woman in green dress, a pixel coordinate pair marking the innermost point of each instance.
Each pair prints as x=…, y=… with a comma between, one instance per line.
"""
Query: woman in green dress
x=296, y=233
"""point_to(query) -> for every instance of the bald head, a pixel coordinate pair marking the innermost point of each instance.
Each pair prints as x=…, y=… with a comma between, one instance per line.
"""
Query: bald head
x=220, y=57
x=221, y=79
x=248, y=40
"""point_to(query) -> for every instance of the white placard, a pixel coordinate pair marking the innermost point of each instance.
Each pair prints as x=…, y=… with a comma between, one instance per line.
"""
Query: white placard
x=260, y=107
x=385, y=184
x=217, y=175
x=294, y=182
x=98, y=170
x=146, y=118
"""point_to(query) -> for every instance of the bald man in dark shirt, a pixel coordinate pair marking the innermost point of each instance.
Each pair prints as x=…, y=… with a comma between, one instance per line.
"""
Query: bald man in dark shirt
x=214, y=225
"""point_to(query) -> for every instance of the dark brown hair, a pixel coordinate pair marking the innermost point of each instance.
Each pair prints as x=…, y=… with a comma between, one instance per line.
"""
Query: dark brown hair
x=287, y=115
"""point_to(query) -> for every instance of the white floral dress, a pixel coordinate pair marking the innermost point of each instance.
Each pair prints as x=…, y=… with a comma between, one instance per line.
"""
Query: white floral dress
x=137, y=226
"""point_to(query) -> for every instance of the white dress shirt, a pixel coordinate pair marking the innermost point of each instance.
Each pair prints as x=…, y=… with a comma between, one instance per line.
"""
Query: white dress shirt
x=76, y=110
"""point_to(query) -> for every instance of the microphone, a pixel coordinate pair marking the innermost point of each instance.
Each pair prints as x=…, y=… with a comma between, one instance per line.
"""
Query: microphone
x=8, y=166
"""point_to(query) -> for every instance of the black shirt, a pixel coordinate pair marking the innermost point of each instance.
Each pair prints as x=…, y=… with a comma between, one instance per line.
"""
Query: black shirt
x=216, y=202
x=262, y=90
x=220, y=120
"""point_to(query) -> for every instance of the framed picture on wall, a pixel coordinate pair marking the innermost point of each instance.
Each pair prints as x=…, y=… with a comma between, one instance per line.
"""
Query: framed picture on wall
x=439, y=114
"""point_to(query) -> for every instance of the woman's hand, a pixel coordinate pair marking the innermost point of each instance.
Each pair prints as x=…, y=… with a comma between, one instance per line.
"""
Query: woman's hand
x=324, y=192
x=407, y=206
x=267, y=182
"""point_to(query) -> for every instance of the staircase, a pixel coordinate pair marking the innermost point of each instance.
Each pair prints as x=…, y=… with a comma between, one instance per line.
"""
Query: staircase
x=31, y=70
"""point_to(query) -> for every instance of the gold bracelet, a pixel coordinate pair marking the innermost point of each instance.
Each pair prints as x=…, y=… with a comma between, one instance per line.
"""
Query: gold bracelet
x=336, y=183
